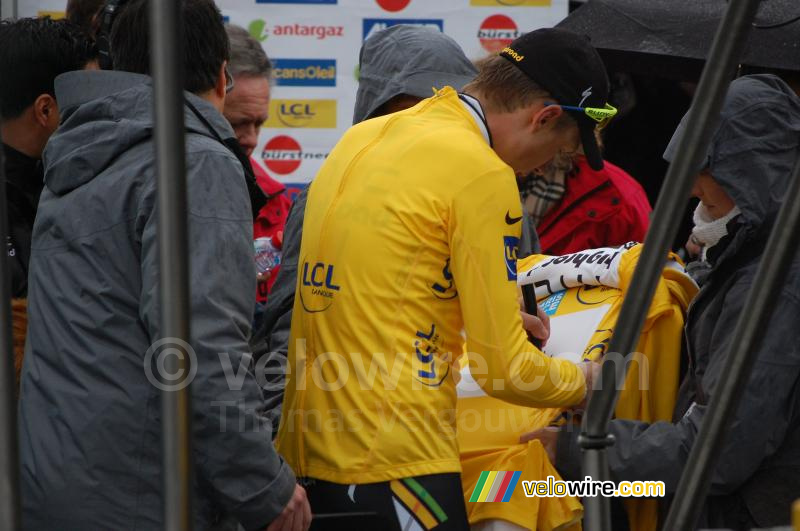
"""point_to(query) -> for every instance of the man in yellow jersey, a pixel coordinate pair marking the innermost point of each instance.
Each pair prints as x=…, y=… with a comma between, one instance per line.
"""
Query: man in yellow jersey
x=410, y=237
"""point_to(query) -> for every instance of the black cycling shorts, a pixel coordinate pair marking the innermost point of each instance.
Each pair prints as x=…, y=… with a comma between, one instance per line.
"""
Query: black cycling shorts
x=408, y=504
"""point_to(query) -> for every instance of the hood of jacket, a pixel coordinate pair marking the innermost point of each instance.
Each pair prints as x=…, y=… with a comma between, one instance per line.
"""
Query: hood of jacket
x=104, y=114
x=753, y=149
x=411, y=60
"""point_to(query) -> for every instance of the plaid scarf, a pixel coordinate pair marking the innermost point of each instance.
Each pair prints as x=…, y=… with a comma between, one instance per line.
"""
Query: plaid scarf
x=541, y=192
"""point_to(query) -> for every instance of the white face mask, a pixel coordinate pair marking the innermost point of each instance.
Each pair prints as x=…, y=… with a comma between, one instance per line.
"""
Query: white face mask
x=709, y=231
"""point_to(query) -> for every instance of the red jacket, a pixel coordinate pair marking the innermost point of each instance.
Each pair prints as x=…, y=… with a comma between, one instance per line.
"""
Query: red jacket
x=271, y=219
x=599, y=209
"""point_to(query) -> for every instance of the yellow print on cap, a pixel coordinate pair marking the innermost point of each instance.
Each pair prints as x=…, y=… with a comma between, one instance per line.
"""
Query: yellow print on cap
x=512, y=54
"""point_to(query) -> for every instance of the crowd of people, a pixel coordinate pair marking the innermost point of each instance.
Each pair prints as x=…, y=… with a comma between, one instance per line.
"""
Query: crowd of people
x=329, y=387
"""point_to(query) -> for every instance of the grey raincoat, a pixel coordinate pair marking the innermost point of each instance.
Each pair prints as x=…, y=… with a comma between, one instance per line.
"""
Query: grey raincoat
x=758, y=475
x=90, y=433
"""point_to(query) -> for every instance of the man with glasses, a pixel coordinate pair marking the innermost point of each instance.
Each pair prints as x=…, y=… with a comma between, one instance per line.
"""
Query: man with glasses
x=247, y=108
x=410, y=237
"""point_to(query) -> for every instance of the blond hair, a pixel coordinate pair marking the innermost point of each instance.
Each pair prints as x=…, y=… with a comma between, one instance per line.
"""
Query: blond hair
x=504, y=87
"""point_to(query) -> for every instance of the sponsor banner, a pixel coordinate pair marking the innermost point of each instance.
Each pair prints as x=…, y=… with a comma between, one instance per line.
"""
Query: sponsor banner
x=283, y=155
x=262, y=30
x=55, y=15
x=497, y=32
x=510, y=3
x=314, y=49
x=393, y=6
x=304, y=72
x=310, y=114
x=374, y=25
x=304, y=2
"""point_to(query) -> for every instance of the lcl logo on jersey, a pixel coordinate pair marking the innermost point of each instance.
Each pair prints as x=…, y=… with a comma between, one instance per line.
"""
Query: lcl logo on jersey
x=430, y=366
x=444, y=288
x=510, y=254
x=318, y=286
x=497, y=32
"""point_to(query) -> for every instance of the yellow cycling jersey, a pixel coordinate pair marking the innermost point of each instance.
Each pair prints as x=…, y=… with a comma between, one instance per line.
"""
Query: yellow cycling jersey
x=410, y=238
x=582, y=293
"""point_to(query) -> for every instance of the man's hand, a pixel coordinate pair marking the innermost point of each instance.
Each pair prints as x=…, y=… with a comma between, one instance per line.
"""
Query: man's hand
x=537, y=325
x=693, y=246
x=296, y=516
x=548, y=437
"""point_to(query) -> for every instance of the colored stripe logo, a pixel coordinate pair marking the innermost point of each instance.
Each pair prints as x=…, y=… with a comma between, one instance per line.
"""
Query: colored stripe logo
x=495, y=486
x=416, y=509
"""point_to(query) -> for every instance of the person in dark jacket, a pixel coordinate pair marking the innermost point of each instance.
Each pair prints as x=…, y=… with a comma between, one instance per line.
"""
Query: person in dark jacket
x=33, y=51
x=399, y=67
x=90, y=414
x=745, y=173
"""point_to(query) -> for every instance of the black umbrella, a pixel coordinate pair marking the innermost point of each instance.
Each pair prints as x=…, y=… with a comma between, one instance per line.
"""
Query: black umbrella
x=672, y=38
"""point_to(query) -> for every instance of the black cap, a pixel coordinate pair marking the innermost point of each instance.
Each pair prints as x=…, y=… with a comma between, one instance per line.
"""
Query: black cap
x=570, y=69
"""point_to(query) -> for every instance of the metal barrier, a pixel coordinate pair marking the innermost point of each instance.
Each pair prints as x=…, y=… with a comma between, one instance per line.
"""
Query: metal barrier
x=9, y=451
x=718, y=72
x=167, y=68
x=8, y=9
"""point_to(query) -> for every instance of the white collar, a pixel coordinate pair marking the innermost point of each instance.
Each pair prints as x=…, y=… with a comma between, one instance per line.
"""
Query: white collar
x=473, y=107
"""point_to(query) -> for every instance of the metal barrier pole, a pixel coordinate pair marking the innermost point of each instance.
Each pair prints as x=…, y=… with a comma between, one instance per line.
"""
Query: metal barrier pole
x=8, y=9
x=9, y=451
x=778, y=256
x=167, y=67
x=725, y=52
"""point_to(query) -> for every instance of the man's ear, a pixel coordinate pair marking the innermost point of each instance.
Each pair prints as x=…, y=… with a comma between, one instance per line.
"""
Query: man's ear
x=45, y=111
x=222, y=82
x=546, y=116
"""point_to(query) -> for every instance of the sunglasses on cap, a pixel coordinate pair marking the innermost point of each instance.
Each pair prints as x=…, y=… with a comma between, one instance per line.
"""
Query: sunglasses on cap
x=229, y=84
x=601, y=116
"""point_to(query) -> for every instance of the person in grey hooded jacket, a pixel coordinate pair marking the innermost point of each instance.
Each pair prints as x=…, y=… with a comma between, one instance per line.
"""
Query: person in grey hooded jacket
x=747, y=167
x=399, y=67
x=90, y=408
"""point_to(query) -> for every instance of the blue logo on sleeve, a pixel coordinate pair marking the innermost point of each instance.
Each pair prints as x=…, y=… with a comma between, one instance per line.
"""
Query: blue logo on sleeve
x=511, y=251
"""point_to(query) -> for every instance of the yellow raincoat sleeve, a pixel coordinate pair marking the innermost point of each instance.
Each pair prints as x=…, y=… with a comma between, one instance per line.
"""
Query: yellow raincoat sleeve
x=484, y=238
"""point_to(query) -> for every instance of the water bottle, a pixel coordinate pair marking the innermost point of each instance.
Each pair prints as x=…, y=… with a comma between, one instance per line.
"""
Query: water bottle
x=267, y=256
